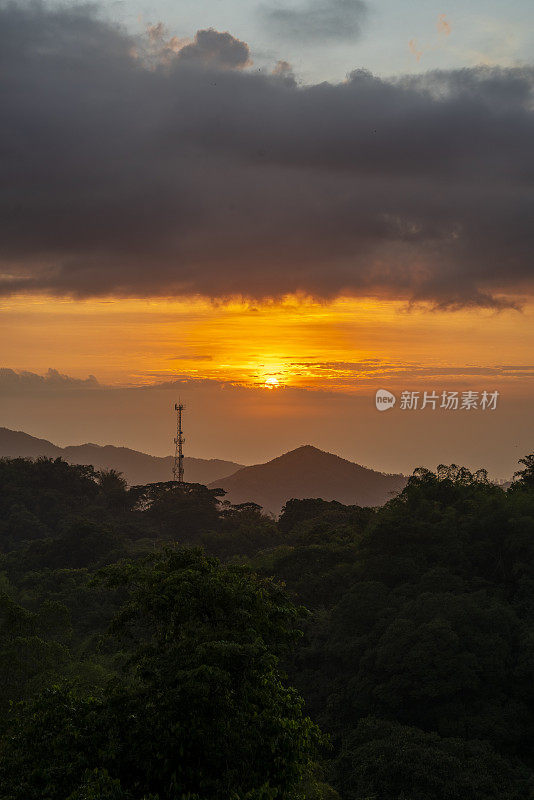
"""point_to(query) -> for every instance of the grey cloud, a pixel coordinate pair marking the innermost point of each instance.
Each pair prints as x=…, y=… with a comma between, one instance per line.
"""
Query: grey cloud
x=214, y=49
x=317, y=20
x=123, y=177
x=209, y=49
x=284, y=71
x=20, y=380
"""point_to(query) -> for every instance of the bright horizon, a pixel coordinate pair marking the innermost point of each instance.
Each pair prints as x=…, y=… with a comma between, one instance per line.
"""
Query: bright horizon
x=345, y=344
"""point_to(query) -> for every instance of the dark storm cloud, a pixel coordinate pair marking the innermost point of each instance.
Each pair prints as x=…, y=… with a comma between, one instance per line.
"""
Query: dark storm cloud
x=318, y=20
x=215, y=49
x=123, y=176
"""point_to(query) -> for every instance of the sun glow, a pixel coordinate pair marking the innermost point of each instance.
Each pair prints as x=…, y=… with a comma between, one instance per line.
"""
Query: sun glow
x=345, y=344
x=272, y=383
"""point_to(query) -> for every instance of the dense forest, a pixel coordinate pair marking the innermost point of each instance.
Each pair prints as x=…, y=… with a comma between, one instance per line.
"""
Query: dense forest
x=158, y=643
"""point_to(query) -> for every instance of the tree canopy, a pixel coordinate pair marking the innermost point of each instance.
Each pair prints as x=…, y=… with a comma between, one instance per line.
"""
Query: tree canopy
x=158, y=643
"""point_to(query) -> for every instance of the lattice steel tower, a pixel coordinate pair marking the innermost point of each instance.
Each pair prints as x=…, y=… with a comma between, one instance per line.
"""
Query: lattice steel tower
x=178, y=465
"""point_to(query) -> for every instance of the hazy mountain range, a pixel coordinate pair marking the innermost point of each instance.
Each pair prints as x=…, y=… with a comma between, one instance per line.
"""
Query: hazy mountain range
x=304, y=472
x=137, y=467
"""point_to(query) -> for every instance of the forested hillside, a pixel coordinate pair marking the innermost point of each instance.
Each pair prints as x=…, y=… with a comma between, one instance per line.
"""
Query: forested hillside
x=158, y=643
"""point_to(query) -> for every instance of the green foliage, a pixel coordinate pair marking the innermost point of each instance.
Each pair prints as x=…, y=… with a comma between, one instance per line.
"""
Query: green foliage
x=316, y=575
x=524, y=478
x=83, y=543
x=32, y=648
x=37, y=495
x=179, y=512
x=313, y=521
x=98, y=785
x=49, y=742
x=393, y=762
x=204, y=641
x=201, y=709
x=114, y=490
x=163, y=675
x=242, y=530
x=434, y=632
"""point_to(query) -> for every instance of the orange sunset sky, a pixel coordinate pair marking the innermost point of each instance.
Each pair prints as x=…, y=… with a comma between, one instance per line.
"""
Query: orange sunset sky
x=346, y=345
x=295, y=371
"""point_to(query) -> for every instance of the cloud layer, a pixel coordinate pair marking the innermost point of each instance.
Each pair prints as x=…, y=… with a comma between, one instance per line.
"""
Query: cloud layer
x=23, y=381
x=194, y=175
x=318, y=20
x=209, y=48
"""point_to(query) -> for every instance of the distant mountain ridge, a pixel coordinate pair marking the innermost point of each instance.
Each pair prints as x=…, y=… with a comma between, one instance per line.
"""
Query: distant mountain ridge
x=301, y=473
x=137, y=467
x=309, y=472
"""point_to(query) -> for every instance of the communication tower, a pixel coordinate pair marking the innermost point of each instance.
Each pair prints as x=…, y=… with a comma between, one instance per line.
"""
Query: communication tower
x=178, y=464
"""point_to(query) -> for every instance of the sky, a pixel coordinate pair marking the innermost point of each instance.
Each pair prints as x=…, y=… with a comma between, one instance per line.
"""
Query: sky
x=383, y=36
x=288, y=205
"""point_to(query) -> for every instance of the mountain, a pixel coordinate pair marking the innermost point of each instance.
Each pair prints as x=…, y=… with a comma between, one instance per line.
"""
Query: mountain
x=136, y=467
x=304, y=472
x=309, y=472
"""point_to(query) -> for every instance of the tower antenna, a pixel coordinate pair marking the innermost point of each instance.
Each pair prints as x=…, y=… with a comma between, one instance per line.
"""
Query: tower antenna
x=178, y=464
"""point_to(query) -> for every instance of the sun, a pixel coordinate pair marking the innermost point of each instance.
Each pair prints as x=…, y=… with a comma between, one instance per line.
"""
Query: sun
x=272, y=383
